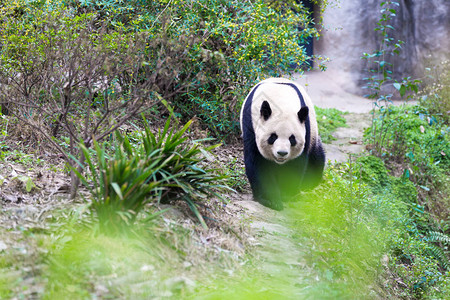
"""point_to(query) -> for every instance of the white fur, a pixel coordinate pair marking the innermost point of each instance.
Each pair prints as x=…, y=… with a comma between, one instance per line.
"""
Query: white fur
x=284, y=122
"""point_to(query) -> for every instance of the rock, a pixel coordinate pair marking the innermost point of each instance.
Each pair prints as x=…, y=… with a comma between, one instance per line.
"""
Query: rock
x=349, y=32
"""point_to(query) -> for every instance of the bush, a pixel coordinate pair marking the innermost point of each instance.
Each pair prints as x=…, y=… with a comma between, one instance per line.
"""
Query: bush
x=70, y=77
x=414, y=139
x=231, y=45
x=159, y=169
x=355, y=219
x=372, y=171
x=343, y=235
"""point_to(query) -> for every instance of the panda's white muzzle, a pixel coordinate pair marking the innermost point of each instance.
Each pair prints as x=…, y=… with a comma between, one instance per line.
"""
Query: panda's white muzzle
x=281, y=156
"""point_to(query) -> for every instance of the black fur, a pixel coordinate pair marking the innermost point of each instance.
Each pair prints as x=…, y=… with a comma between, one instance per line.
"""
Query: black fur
x=273, y=137
x=271, y=183
x=266, y=111
x=303, y=113
x=292, y=140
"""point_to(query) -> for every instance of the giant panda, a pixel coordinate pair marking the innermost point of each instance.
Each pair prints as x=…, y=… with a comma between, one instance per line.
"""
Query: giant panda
x=283, y=153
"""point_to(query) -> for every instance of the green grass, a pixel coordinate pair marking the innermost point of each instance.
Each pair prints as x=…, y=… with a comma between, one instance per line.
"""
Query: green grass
x=145, y=261
x=328, y=120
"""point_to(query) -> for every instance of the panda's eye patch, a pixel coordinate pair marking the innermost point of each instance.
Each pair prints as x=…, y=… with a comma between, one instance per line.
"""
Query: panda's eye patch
x=273, y=137
x=292, y=140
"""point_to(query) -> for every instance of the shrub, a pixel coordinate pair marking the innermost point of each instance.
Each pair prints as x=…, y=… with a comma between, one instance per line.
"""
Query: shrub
x=159, y=169
x=232, y=44
x=343, y=235
x=70, y=77
x=413, y=138
x=352, y=221
x=372, y=171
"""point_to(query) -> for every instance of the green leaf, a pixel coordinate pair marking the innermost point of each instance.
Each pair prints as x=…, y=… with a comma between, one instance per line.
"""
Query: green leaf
x=29, y=185
x=117, y=190
x=402, y=90
x=406, y=173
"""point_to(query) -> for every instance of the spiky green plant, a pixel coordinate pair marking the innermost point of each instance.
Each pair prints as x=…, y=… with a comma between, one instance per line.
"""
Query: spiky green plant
x=159, y=169
x=184, y=169
x=120, y=184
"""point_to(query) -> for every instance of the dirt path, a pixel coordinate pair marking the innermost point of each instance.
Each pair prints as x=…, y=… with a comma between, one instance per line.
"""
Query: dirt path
x=348, y=139
x=279, y=257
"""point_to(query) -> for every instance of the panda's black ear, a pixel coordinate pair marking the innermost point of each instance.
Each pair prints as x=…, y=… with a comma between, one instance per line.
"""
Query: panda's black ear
x=303, y=113
x=266, y=111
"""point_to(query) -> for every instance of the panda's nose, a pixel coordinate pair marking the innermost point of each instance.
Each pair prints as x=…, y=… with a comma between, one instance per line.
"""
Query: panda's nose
x=282, y=153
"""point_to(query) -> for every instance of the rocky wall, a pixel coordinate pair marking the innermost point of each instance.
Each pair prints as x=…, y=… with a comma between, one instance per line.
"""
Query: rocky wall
x=348, y=32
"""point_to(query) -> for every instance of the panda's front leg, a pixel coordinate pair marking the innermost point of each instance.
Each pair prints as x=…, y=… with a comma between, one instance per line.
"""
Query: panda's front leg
x=261, y=191
x=267, y=190
x=316, y=165
x=261, y=178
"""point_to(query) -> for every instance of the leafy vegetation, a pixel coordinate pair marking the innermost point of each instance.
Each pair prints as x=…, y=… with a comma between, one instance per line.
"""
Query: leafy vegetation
x=435, y=96
x=413, y=143
x=157, y=169
x=201, y=56
x=233, y=44
x=76, y=71
x=382, y=82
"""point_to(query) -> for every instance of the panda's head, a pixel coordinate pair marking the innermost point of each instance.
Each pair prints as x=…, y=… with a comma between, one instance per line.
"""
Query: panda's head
x=280, y=129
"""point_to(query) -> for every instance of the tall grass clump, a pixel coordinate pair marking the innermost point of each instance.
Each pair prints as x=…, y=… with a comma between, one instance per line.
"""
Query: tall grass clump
x=120, y=186
x=157, y=169
x=369, y=236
